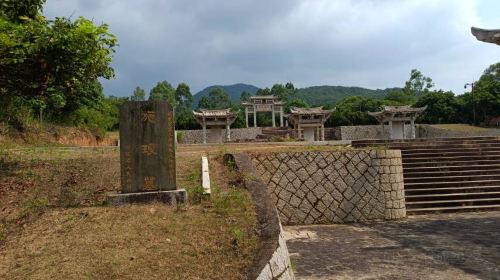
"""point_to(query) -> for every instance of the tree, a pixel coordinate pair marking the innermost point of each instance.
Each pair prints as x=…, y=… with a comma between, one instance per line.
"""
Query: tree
x=245, y=96
x=138, y=95
x=442, y=107
x=487, y=93
x=183, y=116
x=398, y=98
x=42, y=60
x=263, y=91
x=354, y=110
x=418, y=84
x=217, y=99
x=163, y=91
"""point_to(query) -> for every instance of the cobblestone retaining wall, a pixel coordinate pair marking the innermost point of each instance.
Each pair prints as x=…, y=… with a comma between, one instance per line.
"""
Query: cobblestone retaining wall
x=272, y=261
x=237, y=134
x=334, y=186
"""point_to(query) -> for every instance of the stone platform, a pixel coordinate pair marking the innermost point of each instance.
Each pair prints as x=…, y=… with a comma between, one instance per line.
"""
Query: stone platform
x=172, y=198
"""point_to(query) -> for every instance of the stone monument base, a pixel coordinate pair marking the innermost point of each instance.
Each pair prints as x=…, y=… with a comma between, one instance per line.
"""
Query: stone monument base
x=172, y=198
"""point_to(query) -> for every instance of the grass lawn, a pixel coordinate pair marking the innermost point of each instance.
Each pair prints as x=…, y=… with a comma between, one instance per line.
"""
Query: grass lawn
x=53, y=224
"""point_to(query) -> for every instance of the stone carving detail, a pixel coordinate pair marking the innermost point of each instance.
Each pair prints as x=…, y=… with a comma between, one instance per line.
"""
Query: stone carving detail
x=334, y=186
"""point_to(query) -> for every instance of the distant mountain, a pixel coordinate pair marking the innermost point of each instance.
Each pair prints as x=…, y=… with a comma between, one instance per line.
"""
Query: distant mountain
x=315, y=96
x=322, y=95
x=234, y=92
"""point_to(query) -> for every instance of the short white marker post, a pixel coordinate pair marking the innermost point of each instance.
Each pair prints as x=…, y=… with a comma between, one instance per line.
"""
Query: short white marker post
x=205, y=176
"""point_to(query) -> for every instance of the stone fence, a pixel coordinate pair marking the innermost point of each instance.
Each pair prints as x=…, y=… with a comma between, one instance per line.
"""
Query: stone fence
x=214, y=135
x=334, y=186
x=430, y=131
x=360, y=132
x=272, y=261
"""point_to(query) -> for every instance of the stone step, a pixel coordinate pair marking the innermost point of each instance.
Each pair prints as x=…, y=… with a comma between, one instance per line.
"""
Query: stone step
x=440, y=154
x=452, y=168
x=419, y=141
x=448, y=178
x=468, y=195
x=494, y=200
x=426, y=139
x=446, y=150
x=450, y=158
x=467, y=172
x=451, y=190
x=451, y=184
x=430, y=210
x=449, y=163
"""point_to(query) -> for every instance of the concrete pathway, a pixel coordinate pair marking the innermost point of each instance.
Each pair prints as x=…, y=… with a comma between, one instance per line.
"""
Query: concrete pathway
x=441, y=246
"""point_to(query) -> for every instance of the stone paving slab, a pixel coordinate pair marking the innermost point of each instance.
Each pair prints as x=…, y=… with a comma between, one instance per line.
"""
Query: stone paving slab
x=440, y=246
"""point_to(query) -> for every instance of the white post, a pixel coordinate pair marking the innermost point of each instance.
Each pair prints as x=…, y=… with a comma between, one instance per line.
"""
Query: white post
x=412, y=123
x=274, y=121
x=204, y=125
x=322, y=131
x=390, y=130
x=281, y=116
x=228, y=133
x=246, y=115
x=254, y=116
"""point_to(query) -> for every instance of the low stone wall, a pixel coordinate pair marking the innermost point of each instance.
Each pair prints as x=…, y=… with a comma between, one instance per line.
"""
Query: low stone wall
x=361, y=132
x=429, y=131
x=237, y=134
x=272, y=261
x=334, y=186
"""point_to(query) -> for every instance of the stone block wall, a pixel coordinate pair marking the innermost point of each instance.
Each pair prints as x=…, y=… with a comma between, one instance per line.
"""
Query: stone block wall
x=334, y=186
x=237, y=134
x=272, y=261
x=360, y=132
x=429, y=131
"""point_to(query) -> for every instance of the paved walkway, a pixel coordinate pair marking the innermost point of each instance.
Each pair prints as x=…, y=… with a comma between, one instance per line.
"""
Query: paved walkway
x=441, y=246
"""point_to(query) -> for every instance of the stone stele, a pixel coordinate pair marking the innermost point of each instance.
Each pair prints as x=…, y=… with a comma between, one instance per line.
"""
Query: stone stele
x=147, y=154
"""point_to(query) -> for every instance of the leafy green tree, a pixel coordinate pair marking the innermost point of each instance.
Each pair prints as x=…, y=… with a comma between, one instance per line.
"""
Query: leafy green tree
x=163, y=91
x=138, y=95
x=216, y=99
x=263, y=91
x=245, y=96
x=354, y=111
x=397, y=98
x=40, y=58
x=183, y=114
x=487, y=94
x=418, y=84
x=442, y=107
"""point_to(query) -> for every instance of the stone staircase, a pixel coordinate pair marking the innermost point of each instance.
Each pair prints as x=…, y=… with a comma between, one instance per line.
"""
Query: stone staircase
x=448, y=174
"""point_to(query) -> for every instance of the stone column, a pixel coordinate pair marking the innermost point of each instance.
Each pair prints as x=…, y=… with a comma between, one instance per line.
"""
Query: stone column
x=317, y=134
x=281, y=116
x=322, y=131
x=298, y=128
x=412, y=128
x=204, y=125
x=254, y=116
x=228, y=132
x=274, y=116
x=390, y=130
x=246, y=115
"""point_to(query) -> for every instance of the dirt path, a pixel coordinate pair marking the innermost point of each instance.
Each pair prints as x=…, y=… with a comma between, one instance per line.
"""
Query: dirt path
x=444, y=246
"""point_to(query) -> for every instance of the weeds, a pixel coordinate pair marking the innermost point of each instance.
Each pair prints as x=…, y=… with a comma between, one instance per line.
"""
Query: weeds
x=35, y=206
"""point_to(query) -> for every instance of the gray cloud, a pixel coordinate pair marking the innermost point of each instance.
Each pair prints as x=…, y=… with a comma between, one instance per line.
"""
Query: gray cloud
x=366, y=43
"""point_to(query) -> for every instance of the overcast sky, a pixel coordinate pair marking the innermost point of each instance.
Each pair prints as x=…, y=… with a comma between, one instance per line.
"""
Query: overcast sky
x=367, y=43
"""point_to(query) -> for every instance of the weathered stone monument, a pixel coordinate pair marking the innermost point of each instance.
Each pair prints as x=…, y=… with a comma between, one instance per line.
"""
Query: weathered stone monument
x=147, y=154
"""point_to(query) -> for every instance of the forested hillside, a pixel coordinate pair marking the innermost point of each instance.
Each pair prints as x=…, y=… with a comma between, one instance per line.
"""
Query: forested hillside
x=323, y=95
x=234, y=92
